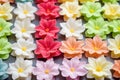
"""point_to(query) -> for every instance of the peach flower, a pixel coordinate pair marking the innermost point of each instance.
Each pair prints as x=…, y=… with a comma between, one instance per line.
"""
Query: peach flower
x=72, y=48
x=4, y=1
x=95, y=47
x=116, y=68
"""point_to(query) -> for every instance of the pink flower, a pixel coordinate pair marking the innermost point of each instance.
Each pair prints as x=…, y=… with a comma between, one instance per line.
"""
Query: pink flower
x=72, y=69
x=47, y=48
x=48, y=10
x=41, y=1
x=46, y=28
x=46, y=70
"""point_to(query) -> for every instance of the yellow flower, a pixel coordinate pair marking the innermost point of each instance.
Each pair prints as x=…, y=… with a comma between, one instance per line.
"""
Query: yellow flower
x=62, y=1
x=111, y=11
x=70, y=9
x=84, y=1
x=114, y=47
x=5, y=11
x=99, y=68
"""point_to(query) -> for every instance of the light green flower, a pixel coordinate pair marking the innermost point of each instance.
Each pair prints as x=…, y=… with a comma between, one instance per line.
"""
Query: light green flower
x=5, y=48
x=4, y=28
x=91, y=10
x=97, y=27
x=115, y=27
x=109, y=1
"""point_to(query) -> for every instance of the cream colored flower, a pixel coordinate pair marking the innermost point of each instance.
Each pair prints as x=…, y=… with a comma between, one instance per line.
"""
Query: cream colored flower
x=111, y=11
x=5, y=11
x=70, y=9
x=62, y=1
x=84, y=1
x=99, y=68
x=25, y=10
x=114, y=46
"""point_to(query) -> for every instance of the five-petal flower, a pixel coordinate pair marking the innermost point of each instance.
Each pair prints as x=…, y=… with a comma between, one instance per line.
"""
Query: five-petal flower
x=73, y=69
x=72, y=48
x=46, y=70
x=25, y=10
x=99, y=68
x=72, y=28
x=46, y=28
x=47, y=48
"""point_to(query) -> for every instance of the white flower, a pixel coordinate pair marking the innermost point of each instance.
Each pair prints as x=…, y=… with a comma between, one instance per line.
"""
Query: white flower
x=5, y=11
x=23, y=29
x=25, y=10
x=23, y=48
x=21, y=68
x=72, y=28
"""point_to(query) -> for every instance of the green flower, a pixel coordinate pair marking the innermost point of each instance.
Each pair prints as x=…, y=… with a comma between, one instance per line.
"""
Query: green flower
x=97, y=27
x=23, y=1
x=3, y=70
x=115, y=27
x=4, y=28
x=5, y=48
x=91, y=10
x=109, y=1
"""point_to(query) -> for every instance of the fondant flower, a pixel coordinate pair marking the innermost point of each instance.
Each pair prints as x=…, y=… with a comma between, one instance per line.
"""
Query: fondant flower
x=48, y=10
x=46, y=28
x=72, y=48
x=63, y=1
x=84, y=1
x=5, y=1
x=47, y=48
x=110, y=1
x=114, y=47
x=23, y=48
x=24, y=0
x=5, y=11
x=91, y=10
x=3, y=69
x=25, y=10
x=4, y=28
x=111, y=11
x=5, y=48
x=23, y=29
x=95, y=47
x=115, y=27
x=41, y=1
x=72, y=28
x=46, y=70
x=20, y=69
x=73, y=69
x=70, y=9
x=99, y=68
x=97, y=27
x=116, y=68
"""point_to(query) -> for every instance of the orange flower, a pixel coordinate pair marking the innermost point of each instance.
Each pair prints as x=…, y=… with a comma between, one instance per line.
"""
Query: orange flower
x=95, y=47
x=116, y=68
x=72, y=48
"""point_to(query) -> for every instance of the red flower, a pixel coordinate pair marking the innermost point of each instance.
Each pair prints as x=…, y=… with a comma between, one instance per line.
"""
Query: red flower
x=48, y=10
x=41, y=1
x=47, y=48
x=46, y=28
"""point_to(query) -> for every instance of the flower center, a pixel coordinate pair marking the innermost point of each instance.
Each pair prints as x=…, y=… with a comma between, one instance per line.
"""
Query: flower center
x=20, y=70
x=97, y=27
x=72, y=69
x=113, y=10
x=72, y=49
x=47, y=29
x=23, y=30
x=72, y=30
x=95, y=48
x=47, y=71
x=48, y=11
x=118, y=28
x=2, y=12
x=98, y=69
x=24, y=48
x=1, y=28
x=92, y=11
x=25, y=11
